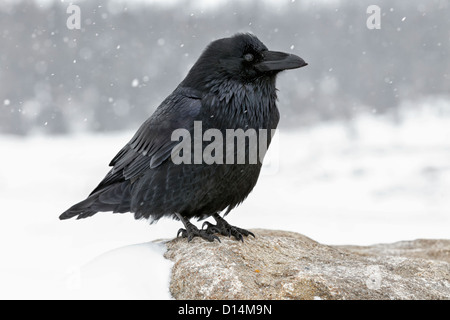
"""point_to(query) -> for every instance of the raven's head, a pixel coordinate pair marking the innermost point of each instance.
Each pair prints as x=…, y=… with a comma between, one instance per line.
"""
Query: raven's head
x=242, y=58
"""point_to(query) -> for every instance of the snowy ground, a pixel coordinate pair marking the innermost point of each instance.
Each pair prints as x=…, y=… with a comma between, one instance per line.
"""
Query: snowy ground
x=368, y=183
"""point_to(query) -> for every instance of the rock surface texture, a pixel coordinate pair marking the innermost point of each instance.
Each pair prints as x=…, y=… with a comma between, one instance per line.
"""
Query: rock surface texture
x=287, y=265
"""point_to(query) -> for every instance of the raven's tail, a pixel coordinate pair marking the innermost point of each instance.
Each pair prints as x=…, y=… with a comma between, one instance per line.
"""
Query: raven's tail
x=80, y=210
x=115, y=198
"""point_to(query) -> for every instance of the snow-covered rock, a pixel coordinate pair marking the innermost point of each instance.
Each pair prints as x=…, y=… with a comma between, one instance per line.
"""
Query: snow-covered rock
x=132, y=272
x=287, y=265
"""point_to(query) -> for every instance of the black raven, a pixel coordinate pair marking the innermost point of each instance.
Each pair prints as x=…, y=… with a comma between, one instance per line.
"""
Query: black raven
x=231, y=86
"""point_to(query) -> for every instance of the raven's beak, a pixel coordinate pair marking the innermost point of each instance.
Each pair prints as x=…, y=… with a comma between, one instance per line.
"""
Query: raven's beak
x=278, y=61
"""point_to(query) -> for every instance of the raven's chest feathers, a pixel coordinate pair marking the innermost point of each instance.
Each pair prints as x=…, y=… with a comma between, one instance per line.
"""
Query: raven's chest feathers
x=234, y=105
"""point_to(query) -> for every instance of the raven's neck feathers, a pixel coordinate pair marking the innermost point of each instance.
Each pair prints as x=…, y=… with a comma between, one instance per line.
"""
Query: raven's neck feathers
x=230, y=104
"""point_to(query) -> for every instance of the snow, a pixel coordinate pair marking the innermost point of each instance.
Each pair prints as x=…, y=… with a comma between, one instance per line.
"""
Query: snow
x=368, y=181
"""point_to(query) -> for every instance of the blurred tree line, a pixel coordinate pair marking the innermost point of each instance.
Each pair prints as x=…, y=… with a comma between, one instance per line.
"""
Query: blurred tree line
x=128, y=56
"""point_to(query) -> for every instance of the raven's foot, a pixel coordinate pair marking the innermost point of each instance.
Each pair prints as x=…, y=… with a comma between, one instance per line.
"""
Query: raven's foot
x=192, y=231
x=224, y=228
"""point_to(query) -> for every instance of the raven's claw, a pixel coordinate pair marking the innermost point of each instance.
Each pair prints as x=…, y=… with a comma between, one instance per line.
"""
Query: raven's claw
x=192, y=231
x=225, y=229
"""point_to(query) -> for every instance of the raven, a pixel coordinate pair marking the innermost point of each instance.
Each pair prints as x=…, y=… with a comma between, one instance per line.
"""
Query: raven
x=231, y=86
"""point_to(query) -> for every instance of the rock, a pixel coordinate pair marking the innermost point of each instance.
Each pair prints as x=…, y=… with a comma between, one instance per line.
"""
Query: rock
x=287, y=265
x=421, y=248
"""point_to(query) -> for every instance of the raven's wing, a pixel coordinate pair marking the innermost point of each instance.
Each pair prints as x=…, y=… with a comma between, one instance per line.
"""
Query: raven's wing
x=148, y=149
x=152, y=144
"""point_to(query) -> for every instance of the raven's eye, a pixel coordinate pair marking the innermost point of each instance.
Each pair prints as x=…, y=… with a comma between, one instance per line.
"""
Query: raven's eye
x=248, y=57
